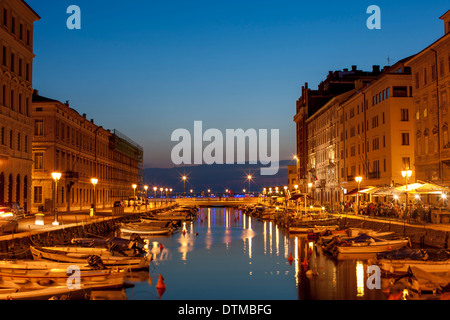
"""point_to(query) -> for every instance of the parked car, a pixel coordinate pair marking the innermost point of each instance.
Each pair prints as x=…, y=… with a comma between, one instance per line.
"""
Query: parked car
x=17, y=209
x=8, y=220
x=118, y=204
x=136, y=200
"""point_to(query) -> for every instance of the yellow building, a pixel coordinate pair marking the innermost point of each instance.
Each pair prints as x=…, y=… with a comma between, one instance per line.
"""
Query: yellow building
x=16, y=126
x=431, y=85
x=66, y=142
x=376, y=131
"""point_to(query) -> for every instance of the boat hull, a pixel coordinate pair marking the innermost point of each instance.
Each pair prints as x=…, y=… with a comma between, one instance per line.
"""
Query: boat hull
x=376, y=247
x=66, y=254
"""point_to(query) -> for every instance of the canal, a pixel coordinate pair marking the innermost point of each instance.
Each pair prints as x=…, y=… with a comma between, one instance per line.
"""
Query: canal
x=226, y=255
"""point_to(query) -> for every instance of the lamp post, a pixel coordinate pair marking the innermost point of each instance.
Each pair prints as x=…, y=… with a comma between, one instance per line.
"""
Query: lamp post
x=56, y=176
x=285, y=196
x=249, y=177
x=358, y=179
x=146, y=197
x=406, y=174
x=184, y=185
x=134, y=189
x=154, y=195
x=94, y=183
x=309, y=191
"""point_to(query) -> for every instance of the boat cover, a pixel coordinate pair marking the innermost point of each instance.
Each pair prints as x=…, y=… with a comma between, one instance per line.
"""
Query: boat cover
x=363, y=238
x=416, y=254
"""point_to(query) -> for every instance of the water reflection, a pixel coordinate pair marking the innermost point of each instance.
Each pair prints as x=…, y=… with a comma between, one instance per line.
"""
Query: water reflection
x=225, y=254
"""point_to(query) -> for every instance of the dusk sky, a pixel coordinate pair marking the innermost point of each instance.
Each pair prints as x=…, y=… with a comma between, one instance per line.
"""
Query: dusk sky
x=147, y=68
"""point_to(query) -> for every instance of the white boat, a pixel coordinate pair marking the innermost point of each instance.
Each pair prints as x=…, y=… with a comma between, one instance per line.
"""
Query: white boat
x=402, y=266
x=428, y=260
x=11, y=291
x=24, y=274
x=82, y=255
x=313, y=229
x=143, y=229
x=366, y=244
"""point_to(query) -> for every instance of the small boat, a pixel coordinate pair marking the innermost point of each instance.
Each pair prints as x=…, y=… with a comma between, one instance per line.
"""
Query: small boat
x=12, y=291
x=94, y=279
x=352, y=233
x=88, y=255
x=367, y=244
x=424, y=282
x=158, y=223
x=313, y=229
x=428, y=260
x=142, y=229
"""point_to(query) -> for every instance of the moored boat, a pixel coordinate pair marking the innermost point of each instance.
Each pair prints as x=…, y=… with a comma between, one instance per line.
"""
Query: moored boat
x=142, y=229
x=428, y=260
x=367, y=244
x=12, y=291
x=88, y=255
x=313, y=229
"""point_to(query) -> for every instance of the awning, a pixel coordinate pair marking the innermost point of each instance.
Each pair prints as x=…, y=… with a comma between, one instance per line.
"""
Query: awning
x=300, y=196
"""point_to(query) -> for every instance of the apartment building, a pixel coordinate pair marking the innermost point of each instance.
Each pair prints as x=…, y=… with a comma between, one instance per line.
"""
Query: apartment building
x=376, y=131
x=66, y=142
x=431, y=117
x=16, y=126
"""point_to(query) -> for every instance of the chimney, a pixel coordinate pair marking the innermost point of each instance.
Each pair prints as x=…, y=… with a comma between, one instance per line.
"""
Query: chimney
x=354, y=68
x=446, y=19
x=84, y=115
x=376, y=69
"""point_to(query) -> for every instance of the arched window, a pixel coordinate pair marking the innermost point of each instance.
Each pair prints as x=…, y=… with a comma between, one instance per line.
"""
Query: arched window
x=445, y=141
x=419, y=142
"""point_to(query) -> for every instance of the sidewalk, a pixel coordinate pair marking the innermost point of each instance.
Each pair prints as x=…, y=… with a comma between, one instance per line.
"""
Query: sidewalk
x=433, y=226
x=66, y=220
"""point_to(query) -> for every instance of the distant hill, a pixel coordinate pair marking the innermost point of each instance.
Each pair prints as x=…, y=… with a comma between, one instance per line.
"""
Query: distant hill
x=217, y=178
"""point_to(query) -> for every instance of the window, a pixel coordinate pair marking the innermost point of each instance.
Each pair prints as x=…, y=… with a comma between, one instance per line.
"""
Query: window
x=38, y=128
x=376, y=166
x=39, y=161
x=4, y=56
x=376, y=144
x=374, y=122
x=37, y=194
x=406, y=161
x=404, y=115
x=405, y=139
x=400, y=91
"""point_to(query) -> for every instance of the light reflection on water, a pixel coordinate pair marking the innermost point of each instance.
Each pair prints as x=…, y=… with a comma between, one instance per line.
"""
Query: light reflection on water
x=225, y=254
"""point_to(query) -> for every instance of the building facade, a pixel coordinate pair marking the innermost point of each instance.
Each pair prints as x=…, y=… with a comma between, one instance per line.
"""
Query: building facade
x=16, y=90
x=323, y=155
x=376, y=131
x=66, y=142
x=431, y=117
x=311, y=101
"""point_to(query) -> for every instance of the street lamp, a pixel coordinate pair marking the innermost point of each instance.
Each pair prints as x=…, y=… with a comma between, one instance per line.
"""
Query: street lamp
x=358, y=179
x=94, y=183
x=309, y=191
x=134, y=189
x=406, y=174
x=249, y=177
x=56, y=176
x=184, y=185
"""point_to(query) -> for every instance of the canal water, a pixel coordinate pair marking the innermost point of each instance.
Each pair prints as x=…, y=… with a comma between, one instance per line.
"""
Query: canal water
x=227, y=255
